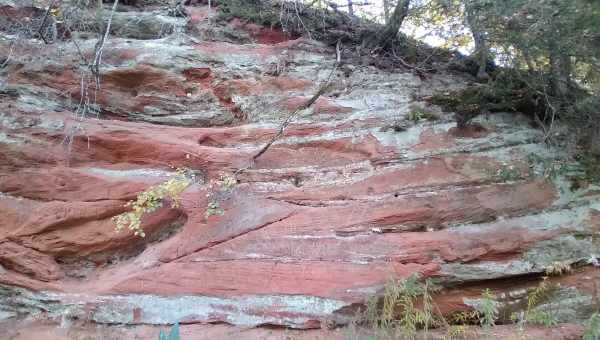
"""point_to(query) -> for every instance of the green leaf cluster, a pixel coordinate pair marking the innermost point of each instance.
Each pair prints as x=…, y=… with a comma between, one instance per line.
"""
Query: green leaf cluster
x=151, y=200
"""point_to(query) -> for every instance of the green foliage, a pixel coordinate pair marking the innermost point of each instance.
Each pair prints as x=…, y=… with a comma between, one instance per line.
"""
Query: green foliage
x=218, y=190
x=558, y=268
x=506, y=92
x=549, y=52
x=455, y=332
x=542, y=318
x=541, y=293
x=468, y=100
x=466, y=317
x=590, y=167
x=397, y=312
x=582, y=170
x=537, y=296
x=418, y=113
x=507, y=173
x=254, y=11
x=488, y=309
x=214, y=208
x=549, y=168
x=592, y=328
x=407, y=307
x=150, y=200
x=173, y=335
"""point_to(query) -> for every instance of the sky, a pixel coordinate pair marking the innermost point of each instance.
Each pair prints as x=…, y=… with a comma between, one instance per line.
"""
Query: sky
x=374, y=9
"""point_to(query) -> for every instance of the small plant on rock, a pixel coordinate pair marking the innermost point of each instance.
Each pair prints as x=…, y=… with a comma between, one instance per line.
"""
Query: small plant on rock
x=536, y=317
x=592, y=328
x=456, y=332
x=558, y=268
x=589, y=168
x=507, y=173
x=218, y=190
x=582, y=170
x=549, y=168
x=465, y=317
x=418, y=113
x=252, y=11
x=397, y=312
x=151, y=200
x=488, y=309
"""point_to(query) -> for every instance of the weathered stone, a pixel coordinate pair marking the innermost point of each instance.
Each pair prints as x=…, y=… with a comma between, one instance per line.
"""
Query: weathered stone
x=338, y=205
x=29, y=262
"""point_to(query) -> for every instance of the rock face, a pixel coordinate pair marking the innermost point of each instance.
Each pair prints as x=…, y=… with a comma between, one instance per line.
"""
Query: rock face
x=337, y=206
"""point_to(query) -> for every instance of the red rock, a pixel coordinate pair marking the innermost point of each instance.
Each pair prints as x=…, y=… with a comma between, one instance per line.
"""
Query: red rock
x=29, y=262
x=438, y=172
x=227, y=49
x=198, y=74
x=118, y=55
x=264, y=85
x=408, y=247
x=431, y=140
x=330, y=212
x=33, y=234
x=97, y=236
x=321, y=106
x=473, y=130
x=245, y=277
x=262, y=35
x=70, y=184
x=244, y=216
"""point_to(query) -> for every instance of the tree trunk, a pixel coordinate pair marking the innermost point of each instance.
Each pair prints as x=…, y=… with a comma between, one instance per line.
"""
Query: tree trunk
x=481, y=53
x=350, y=8
x=386, y=11
x=560, y=72
x=390, y=30
x=594, y=140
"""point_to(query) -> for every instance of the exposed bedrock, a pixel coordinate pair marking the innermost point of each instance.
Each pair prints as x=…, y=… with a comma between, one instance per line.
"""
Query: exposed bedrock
x=336, y=207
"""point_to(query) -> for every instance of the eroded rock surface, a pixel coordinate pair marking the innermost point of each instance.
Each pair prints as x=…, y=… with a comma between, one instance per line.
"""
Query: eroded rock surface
x=335, y=208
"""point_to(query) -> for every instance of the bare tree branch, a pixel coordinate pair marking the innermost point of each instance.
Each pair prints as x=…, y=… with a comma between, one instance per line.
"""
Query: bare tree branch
x=300, y=19
x=304, y=106
x=44, y=19
x=100, y=45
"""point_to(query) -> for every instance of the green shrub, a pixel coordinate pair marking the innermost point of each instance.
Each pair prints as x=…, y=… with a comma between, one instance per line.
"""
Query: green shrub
x=590, y=167
x=541, y=293
x=219, y=189
x=397, y=313
x=150, y=200
x=488, y=309
x=418, y=113
x=255, y=11
x=592, y=328
x=582, y=169
x=507, y=173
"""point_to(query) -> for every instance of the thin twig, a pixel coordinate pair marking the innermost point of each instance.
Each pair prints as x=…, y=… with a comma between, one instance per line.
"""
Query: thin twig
x=304, y=106
x=39, y=32
x=289, y=119
x=94, y=67
x=409, y=66
x=300, y=19
x=81, y=55
x=10, y=52
x=102, y=41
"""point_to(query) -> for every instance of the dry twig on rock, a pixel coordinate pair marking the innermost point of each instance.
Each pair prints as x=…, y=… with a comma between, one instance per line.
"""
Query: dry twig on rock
x=304, y=106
